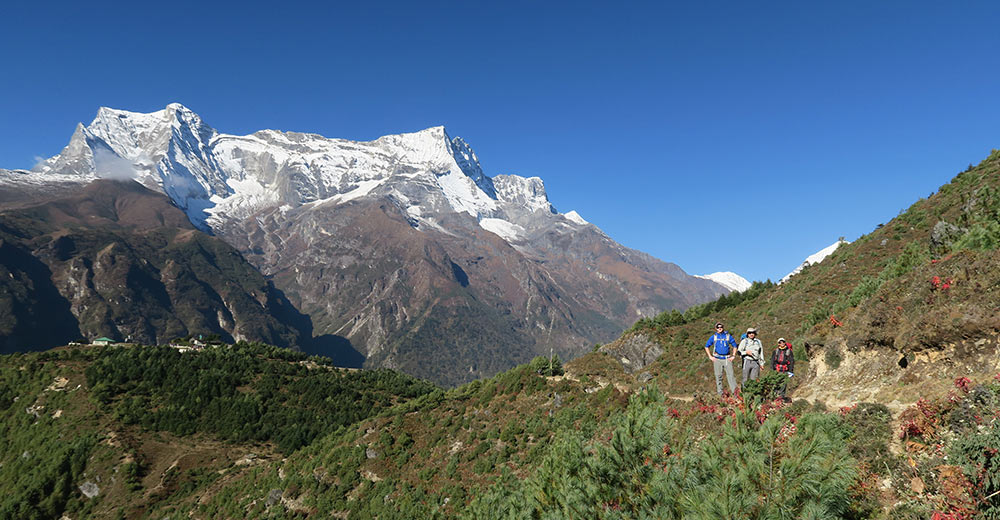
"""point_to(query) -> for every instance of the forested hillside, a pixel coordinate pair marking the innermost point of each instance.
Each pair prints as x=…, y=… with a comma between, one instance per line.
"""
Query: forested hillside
x=138, y=425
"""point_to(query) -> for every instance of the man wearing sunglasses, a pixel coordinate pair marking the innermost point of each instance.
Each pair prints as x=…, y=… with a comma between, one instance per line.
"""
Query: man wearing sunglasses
x=720, y=348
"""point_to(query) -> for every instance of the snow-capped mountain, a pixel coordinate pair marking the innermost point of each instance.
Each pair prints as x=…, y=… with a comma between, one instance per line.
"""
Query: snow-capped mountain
x=814, y=258
x=216, y=177
x=729, y=280
x=401, y=250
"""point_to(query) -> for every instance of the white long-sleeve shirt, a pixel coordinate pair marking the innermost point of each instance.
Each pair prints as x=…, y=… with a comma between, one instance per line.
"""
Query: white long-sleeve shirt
x=752, y=348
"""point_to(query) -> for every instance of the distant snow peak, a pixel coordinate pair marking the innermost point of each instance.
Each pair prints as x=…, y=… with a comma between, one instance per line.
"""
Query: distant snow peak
x=815, y=258
x=729, y=280
x=575, y=217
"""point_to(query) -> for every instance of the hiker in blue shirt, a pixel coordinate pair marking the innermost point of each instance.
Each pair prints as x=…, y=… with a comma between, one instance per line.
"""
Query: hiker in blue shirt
x=721, y=348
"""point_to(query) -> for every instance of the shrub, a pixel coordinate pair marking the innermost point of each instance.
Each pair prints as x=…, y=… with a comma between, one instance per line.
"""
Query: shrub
x=864, y=290
x=546, y=366
x=981, y=236
x=978, y=454
x=870, y=434
x=649, y=467
x=818, y=313
x=765, y=388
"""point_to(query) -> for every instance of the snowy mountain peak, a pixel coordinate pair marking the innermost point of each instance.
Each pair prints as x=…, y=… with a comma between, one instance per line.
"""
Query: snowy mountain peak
x=527, y=192
x=219, y=178
x=216, y=177
x=814, y=258
x=729, y=280
x=575, y=217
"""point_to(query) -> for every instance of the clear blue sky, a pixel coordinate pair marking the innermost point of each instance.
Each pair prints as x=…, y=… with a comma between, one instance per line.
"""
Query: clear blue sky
x=738, y=136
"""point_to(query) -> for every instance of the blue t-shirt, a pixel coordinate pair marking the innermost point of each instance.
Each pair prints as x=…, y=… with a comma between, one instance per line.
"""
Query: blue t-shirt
x=721, y=342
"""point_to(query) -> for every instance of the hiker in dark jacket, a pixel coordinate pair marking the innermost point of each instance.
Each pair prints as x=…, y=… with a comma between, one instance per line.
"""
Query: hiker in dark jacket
x=783, y=361
x=721, y=348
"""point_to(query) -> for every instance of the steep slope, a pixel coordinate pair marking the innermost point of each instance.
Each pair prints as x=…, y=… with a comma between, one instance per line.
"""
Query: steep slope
x=401, y=250
x=118, y=260
x=890, y=317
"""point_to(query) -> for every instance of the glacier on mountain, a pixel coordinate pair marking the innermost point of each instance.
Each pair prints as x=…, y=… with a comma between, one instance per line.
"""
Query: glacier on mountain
x=506, y=230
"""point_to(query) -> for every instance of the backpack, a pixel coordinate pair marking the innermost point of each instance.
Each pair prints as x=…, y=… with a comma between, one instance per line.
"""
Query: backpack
x=723, y=341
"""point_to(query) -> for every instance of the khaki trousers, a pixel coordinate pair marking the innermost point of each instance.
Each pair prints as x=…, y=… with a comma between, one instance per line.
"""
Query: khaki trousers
x=726, y=365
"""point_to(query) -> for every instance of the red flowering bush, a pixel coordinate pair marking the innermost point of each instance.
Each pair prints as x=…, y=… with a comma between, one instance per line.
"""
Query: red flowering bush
x=927, y=408
x=768, y=409
x=920, y=420
x=962, y=384
x=938, y=284
x=706, y=408
x=911, y=428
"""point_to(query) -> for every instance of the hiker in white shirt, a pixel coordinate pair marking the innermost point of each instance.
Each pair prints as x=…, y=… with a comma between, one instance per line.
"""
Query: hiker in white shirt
x=752, y=351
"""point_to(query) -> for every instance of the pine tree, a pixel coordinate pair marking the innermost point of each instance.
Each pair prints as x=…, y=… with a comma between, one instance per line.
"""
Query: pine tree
x=650, y=467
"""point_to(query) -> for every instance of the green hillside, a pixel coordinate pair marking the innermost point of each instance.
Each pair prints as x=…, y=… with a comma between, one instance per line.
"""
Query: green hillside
x=147, y=426
x=588, y=442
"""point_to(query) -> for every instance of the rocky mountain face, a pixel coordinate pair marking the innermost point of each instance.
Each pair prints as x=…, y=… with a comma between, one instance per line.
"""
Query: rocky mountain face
x=118, y=260
x=401, y=250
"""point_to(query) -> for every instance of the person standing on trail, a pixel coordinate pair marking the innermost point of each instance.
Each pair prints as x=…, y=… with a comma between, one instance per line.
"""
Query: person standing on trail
x=753, y=355
x=720, y=348
x=783, y=360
